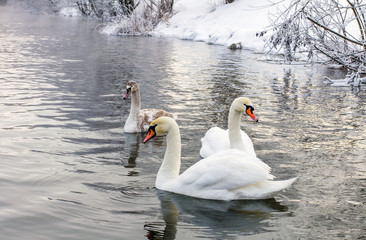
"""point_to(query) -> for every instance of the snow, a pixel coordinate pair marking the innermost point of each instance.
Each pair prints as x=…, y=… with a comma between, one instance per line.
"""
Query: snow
x=346, y=82
x=70, y=12
x=210, y=21
x=213, y=21
x=218, y=23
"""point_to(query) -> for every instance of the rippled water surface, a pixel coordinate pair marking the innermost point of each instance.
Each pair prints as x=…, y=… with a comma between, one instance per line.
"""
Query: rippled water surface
x=68, y=171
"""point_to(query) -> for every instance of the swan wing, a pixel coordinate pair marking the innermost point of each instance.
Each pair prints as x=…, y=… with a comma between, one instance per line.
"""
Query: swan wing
x=247, y=143
x=226, y=170
x=146, y=116
x=215, y=140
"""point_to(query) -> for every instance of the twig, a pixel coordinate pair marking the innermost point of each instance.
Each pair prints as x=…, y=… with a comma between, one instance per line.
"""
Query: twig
x=358, y=19
x=334, y=59
x=334, y=32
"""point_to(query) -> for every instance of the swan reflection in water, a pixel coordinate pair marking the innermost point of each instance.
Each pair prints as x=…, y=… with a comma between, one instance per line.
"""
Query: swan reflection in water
x=221, y=218
x=133, y=143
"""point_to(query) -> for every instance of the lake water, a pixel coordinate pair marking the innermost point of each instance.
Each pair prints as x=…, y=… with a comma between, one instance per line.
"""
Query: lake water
x=68, y=171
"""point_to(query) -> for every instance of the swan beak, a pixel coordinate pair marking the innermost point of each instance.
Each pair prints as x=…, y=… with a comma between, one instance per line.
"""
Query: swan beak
x=250, y=112
x=151, y=133
x=127, y=94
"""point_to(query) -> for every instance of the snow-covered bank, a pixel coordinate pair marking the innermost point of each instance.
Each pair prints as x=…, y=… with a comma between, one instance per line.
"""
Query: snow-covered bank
x=218, y=23
x=210, y=21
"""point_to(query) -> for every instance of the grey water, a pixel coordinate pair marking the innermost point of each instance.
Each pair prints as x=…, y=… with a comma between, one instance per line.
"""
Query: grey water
x=68, y=171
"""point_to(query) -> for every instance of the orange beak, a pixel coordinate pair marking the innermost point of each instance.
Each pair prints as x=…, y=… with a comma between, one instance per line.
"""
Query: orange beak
x=250, y=112
x=151, y=133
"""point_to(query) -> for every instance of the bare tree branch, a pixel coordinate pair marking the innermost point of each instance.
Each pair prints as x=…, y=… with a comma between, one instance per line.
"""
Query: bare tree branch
x=334, y=32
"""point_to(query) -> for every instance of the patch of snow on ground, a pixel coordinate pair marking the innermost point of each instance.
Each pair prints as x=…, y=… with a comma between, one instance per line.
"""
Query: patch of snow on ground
x=70, y=12
x=222, y=24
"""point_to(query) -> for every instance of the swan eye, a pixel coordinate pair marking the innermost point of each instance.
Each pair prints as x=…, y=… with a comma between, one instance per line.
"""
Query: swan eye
x=249, y=109
x=151, y=133
x=250, y=112
x=152, y=129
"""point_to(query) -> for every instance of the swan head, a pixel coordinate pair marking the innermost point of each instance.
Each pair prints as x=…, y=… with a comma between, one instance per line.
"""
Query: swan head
x=243, y=104
x=159, y=126
x=131, y=86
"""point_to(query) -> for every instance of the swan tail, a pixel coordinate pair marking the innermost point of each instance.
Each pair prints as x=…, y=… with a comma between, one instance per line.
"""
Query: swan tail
x=263, y=190
x=277, y=186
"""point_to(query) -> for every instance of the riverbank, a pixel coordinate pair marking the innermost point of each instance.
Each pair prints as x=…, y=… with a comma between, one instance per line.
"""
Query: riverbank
x=238, y=22
x=210, y=21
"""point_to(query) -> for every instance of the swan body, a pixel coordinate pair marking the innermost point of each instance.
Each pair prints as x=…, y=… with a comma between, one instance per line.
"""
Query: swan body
x=139, y=120
x=217, y=139
x=228, y=175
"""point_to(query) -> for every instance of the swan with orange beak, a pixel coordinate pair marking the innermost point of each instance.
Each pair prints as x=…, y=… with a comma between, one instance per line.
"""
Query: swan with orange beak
x=217, y=139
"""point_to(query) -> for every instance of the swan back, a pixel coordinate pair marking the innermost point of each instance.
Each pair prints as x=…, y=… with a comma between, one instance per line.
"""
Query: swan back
x=227, y=175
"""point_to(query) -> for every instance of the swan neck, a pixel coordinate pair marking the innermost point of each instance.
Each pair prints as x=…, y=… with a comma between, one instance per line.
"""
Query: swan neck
x=170, y=167
x=235, y=138
x=135, y=101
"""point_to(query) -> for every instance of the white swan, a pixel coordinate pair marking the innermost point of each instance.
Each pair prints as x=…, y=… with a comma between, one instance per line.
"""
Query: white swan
x=228, y=175
x=139, y=120
x=217, y=139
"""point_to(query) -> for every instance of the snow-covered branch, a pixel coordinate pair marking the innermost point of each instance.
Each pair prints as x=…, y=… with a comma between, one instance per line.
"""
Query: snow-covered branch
x=326, y=27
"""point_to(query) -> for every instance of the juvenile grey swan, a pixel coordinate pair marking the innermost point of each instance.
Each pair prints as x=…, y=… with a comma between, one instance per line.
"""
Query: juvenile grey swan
x=139, y=120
